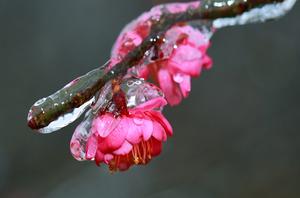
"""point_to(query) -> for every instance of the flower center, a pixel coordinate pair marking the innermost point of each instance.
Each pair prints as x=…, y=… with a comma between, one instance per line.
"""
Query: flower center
x=140, y=154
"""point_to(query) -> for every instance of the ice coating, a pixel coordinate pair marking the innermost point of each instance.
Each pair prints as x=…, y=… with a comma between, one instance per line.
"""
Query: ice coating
x=133, y=33
x=180, y=51
x=102, y=100
x=140, y=95
x=80, y=137
x=138, y=91
x=66, y=119
x=262, y=14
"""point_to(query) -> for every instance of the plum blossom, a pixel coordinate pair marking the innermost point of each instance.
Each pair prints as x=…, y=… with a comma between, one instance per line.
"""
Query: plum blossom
x=185, y=60
x=133, y=33
x=124, y=124
x=128, y=129
x=123, y=141
x=180, y=55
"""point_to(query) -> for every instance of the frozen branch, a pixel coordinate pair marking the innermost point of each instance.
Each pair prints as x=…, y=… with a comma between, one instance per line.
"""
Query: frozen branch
x=83, y=89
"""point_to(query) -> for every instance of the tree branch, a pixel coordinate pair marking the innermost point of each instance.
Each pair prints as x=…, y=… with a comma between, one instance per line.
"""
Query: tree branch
x=49, y=109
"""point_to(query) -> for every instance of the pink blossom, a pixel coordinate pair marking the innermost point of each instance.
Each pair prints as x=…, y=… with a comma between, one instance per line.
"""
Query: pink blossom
x=180, y=56
x=129, y=139
x=133, y=34
x=185, y=60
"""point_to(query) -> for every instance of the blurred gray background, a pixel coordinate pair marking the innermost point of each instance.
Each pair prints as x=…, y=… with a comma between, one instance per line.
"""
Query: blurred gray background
x=237, y=135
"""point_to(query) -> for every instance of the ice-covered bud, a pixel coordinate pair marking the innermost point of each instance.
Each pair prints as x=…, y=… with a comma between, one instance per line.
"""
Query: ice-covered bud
x=122, y=140
x=180, y=54
x=133, y=34
x=184, y=57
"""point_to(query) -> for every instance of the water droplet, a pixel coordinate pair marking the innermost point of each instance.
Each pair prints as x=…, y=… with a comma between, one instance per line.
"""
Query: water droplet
x=111, y=72
x=147, y=53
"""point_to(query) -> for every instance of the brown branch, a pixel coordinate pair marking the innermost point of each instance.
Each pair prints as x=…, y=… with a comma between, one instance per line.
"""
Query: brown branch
x=85, y=88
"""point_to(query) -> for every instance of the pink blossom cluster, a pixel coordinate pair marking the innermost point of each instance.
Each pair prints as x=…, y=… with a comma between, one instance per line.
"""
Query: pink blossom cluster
x=180, y=56
x=135, y=134
x=133, y=139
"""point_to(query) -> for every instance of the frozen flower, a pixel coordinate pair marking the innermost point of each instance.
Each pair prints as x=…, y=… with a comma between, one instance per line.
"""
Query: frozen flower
x=128, y=129
x=133, y=34
x=128, y=139
x=180, y=55
x=184, y=60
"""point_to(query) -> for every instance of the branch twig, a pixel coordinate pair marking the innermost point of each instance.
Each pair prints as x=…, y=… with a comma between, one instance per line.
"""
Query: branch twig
x=49, y=109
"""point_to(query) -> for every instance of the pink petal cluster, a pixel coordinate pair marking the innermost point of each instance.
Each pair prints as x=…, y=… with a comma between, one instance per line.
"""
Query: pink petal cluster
x=133, y=34
x=181, y=55
x=129, y=139
x=186, y=60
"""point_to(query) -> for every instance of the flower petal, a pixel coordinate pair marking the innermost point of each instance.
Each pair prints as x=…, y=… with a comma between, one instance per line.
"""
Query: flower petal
x=185, y=85
x=124, y=149
x=159, y=132
x=156, y=147
x=76, y=150
x=207, y=62
x=134, y=134
x=91, y=147
x=105, y=124
x=99, y=157
x=116, y=137
x=79, y=140
x=169, y=88
x=186, y=59
x=108, y=157
x=147, y=128
x=163, y=121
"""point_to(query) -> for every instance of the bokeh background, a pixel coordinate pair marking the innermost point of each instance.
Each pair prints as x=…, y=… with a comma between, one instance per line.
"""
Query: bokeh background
x=237, y=135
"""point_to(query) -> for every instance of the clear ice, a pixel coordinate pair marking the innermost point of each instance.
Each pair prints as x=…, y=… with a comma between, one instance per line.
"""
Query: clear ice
x=80, y=138
x=66, y=119
x=103, y=98
x=138, y=91
x=262, y=14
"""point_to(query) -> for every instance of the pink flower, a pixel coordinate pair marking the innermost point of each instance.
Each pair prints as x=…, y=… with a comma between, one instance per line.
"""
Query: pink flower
x=133, y=34
x=180, y=56
x=185, y=60
x=128, y=139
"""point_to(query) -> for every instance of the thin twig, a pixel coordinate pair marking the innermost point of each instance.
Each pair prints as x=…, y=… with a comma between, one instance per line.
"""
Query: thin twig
x=84, y=89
